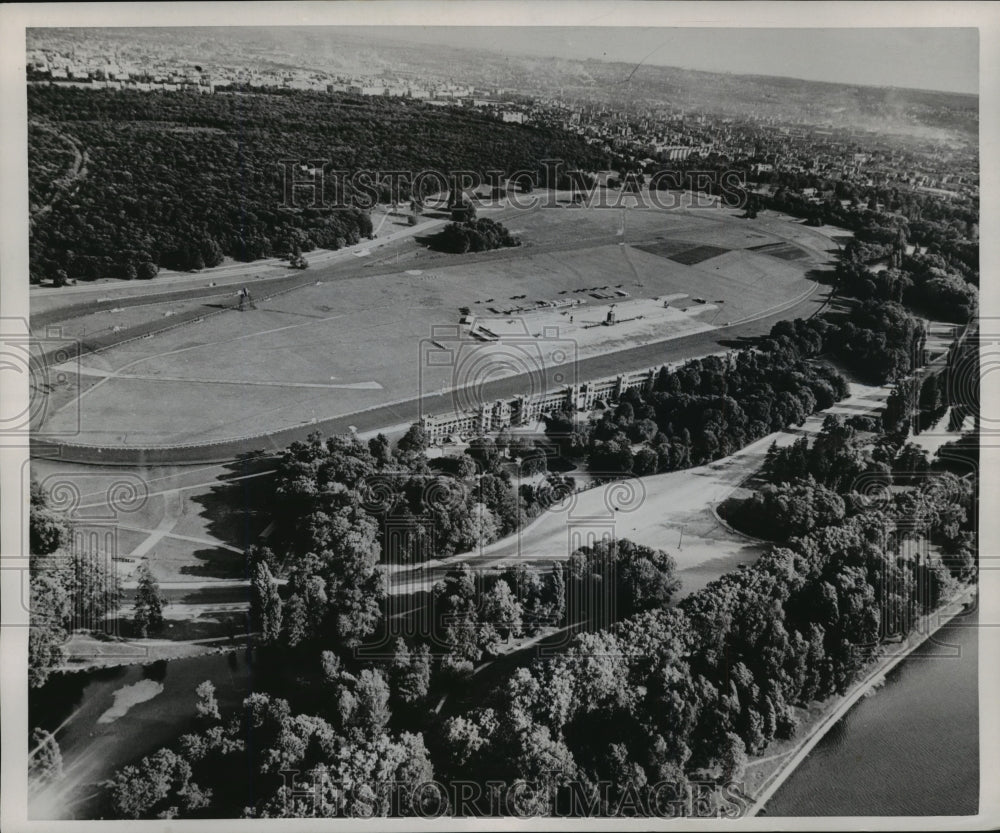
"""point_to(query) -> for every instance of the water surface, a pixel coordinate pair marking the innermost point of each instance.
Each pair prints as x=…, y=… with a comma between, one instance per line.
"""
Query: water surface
x=910, y=748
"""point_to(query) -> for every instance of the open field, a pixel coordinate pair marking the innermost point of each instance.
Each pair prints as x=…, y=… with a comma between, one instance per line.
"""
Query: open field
x=673, y=511
x=355, y=339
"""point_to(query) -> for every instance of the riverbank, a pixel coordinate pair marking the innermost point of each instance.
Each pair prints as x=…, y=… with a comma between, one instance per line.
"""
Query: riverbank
x=88, y=653
x=766, y=774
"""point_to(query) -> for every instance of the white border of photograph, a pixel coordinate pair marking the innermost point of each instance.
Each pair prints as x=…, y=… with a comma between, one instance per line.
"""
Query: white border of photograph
x=14, y=19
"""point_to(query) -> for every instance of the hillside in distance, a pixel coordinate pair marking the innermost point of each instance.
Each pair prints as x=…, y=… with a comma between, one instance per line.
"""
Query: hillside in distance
x=639, y=87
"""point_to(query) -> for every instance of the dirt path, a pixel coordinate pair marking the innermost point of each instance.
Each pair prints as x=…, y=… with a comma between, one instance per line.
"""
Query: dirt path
x=68, y=181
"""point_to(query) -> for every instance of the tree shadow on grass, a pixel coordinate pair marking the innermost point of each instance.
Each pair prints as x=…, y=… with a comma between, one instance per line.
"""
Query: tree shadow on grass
x=741, y=342
x=213, y=596
x=426, y=240
x=840, y=306
x=206, y=626
x=238, y=509
x=825, y=277
x=216, y=563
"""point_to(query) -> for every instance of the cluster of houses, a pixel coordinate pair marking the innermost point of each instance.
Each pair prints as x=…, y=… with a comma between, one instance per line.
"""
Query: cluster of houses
x=768, y=145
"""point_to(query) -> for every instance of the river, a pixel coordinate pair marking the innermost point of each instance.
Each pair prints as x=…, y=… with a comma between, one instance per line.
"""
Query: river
x=106, y=719
x=910, y=748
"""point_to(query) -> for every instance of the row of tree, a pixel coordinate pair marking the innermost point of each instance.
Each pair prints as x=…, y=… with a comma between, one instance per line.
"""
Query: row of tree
x=70, y=587
x=475, y=614
x=706, y=409
x=709, y=408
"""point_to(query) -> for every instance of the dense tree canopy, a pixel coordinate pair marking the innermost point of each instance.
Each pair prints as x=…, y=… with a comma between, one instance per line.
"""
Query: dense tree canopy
x=789, y=509
x=178, y=181
x=692, y=691
x=480, y=235
x=706, y=409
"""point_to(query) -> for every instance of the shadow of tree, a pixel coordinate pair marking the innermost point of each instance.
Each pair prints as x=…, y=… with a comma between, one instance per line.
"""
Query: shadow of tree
x=207, y=626
x=825, y=277
x=216, y=563
x=238, y=511
x=740, y=342
x=426, y=240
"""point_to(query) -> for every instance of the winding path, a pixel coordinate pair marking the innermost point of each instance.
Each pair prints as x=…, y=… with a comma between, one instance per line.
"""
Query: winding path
x=69, y=181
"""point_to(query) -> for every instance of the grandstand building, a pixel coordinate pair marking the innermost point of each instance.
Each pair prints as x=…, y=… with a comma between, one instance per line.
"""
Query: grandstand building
x=525, y=410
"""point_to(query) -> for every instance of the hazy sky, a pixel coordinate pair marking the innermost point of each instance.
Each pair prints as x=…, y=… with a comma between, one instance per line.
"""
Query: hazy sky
x=933, y=59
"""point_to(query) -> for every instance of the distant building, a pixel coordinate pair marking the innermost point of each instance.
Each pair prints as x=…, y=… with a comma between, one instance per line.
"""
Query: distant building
x=937, y=192
x=674, y=152
x=366, y=89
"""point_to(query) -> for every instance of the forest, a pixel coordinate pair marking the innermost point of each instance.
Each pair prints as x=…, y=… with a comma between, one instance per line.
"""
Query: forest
x=180, y=181
x=662, y=695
